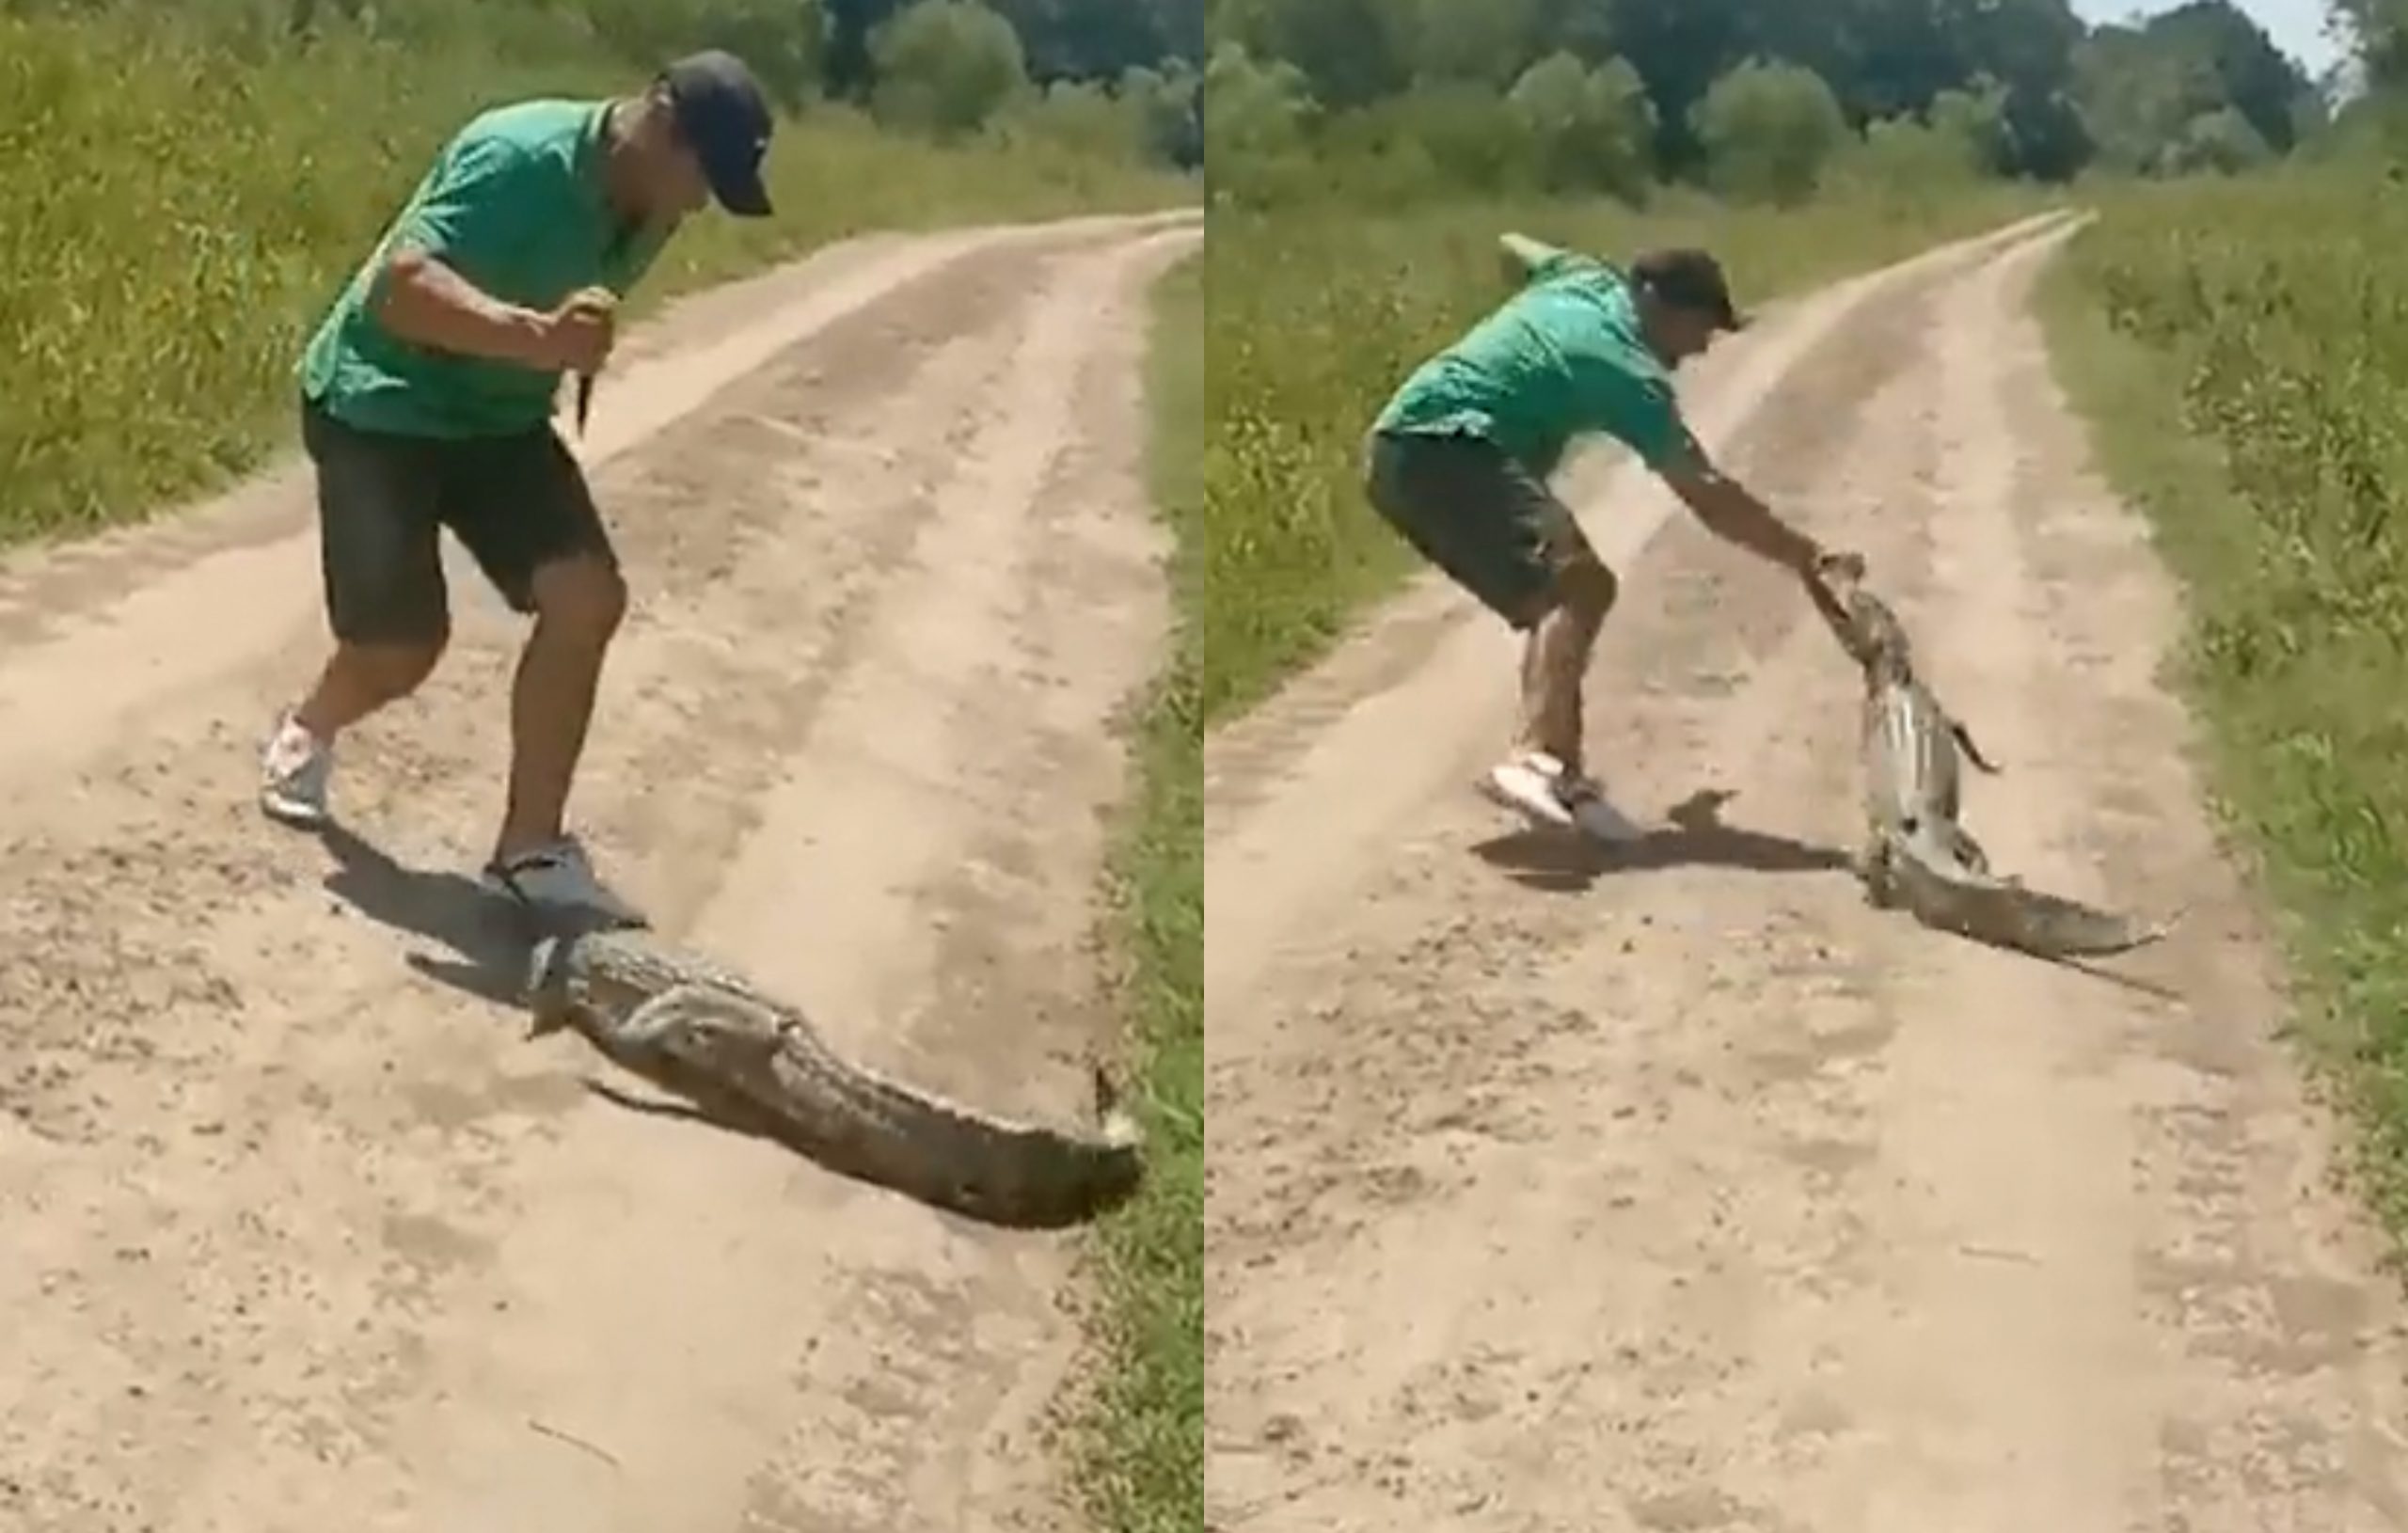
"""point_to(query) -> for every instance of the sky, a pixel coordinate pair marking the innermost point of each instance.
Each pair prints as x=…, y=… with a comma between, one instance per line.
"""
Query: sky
x=2297, y=26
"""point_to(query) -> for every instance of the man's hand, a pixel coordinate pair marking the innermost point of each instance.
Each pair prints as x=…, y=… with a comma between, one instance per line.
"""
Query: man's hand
x=1830, y=570
x=579, y=335
x=1522, y=257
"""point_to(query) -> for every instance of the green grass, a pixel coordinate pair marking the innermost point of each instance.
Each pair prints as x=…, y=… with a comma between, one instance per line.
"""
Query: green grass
x=1144, y=1462
x=1317, y=317
x=175, y=213
x=2241, y=351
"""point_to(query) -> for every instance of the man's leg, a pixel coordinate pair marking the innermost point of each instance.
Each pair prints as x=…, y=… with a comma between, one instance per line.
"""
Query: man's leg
x=524, y=510
x=1554, y=659
x=378, y=504
x=1502, y=536
x=579, y=601
x=1562, y=628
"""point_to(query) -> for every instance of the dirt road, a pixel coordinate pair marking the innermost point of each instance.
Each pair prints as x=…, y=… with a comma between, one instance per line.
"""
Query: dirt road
x=1694, y=1194
x=302, y=1234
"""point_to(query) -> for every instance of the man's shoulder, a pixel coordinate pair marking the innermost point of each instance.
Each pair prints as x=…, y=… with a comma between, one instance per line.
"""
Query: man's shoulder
x=1592, y=312
x=546, y=128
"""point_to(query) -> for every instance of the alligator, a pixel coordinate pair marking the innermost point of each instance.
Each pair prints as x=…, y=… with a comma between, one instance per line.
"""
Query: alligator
x=1917, y=854
x=755, y=1064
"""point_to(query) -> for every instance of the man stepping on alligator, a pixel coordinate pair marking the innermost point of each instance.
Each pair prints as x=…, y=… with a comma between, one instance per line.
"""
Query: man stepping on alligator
x=426, y=401
x=1458, y=463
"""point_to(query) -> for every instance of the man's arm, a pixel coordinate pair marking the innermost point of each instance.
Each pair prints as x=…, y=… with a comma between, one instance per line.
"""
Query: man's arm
x=427, y=303
x=1525, y=257
x=1728, y=511
x=483, y=201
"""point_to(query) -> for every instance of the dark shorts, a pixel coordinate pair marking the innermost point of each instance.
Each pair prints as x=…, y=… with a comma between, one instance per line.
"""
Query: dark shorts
x=1479, y=516
x=517, y=503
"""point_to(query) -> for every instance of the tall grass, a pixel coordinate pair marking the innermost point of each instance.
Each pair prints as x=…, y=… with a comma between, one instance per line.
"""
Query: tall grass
x=1145, y=1459
x=1315, y=317
x=178, y=204
x=2242, y=349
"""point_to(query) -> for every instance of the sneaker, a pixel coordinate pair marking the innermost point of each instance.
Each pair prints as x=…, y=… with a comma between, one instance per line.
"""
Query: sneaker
x=1535, y=784
x=558, y=878
x=296, y=768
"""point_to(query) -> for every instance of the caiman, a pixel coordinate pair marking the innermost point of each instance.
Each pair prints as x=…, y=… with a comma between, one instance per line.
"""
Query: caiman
x=1917, y=854
x=755, y=1063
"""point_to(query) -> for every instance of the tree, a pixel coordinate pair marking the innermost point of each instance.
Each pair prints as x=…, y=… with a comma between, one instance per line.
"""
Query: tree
x=2144, y=89
x=1973, y=125
x=785, y=42
x=850, y=22
x=2224, y=140
x=1591, y=129
x=2377, y=34
x=2253, y=76
x=1100, y=39
x=1768, y=131
x=944, y=66
x=1259, y=115
x=1583, y=28
x=1170, y=111
x=1449, y=41
x=1680, y=47
x=1351, y=51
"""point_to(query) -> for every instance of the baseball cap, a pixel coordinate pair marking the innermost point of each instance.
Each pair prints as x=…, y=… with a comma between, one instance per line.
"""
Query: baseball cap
x=1690, y=278
x=722, y=112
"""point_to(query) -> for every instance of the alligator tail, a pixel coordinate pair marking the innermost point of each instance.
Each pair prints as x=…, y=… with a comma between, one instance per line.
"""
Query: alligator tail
x=972, y=1162
x=1946, y=895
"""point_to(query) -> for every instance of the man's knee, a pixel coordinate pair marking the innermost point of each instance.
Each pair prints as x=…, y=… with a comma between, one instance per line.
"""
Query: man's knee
x=1584, y=586
x=392, y=670
x=584, y=597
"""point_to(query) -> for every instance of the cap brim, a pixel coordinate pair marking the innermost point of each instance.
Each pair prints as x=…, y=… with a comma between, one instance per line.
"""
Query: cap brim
x=737, y=189
x=742, y=195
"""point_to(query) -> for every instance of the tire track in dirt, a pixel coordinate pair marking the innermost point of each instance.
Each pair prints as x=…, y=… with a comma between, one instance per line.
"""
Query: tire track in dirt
x=304, y=1236
x=1697, y=1195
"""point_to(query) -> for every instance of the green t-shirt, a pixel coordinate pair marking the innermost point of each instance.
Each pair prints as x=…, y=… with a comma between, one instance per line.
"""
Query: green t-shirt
x=515, y=205
x=1562, y=356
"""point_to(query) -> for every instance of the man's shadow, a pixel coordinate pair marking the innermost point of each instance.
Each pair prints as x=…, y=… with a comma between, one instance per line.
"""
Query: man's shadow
x=489, y=941
x=1566, y=861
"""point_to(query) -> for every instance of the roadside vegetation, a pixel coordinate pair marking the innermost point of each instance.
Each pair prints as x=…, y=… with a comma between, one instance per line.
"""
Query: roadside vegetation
x=1364, y=154
x=2240, y=350
x=1143, y=1456
x=183, y=187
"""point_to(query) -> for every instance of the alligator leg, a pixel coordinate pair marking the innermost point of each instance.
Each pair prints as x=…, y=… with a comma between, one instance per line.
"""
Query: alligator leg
x=1873, y=868
x=1967, y=851
x=1973, y=752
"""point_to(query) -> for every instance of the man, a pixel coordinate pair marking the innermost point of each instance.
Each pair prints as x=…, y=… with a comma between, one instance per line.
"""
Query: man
x=427, y=400
x=1459, y=458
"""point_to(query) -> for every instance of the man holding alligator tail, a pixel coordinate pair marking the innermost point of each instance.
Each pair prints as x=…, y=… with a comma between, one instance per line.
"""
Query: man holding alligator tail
x=427, y=397
x=1458, y=461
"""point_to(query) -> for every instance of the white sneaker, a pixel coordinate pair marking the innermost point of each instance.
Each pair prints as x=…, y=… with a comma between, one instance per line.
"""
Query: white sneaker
x=295, y=769
x=1535, y=784
x=559, y=879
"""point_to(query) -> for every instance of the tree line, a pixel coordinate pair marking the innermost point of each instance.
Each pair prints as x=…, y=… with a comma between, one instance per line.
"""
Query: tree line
x=1127, y=70
x=1758, y=96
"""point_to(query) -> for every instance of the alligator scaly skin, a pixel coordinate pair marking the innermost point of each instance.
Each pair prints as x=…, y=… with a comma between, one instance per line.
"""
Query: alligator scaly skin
x=757, y=1064
x=1917, y=855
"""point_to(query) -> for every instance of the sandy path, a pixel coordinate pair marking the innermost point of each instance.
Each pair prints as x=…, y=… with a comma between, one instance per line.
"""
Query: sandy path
x=1697, y=1195
x=303, y=1235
